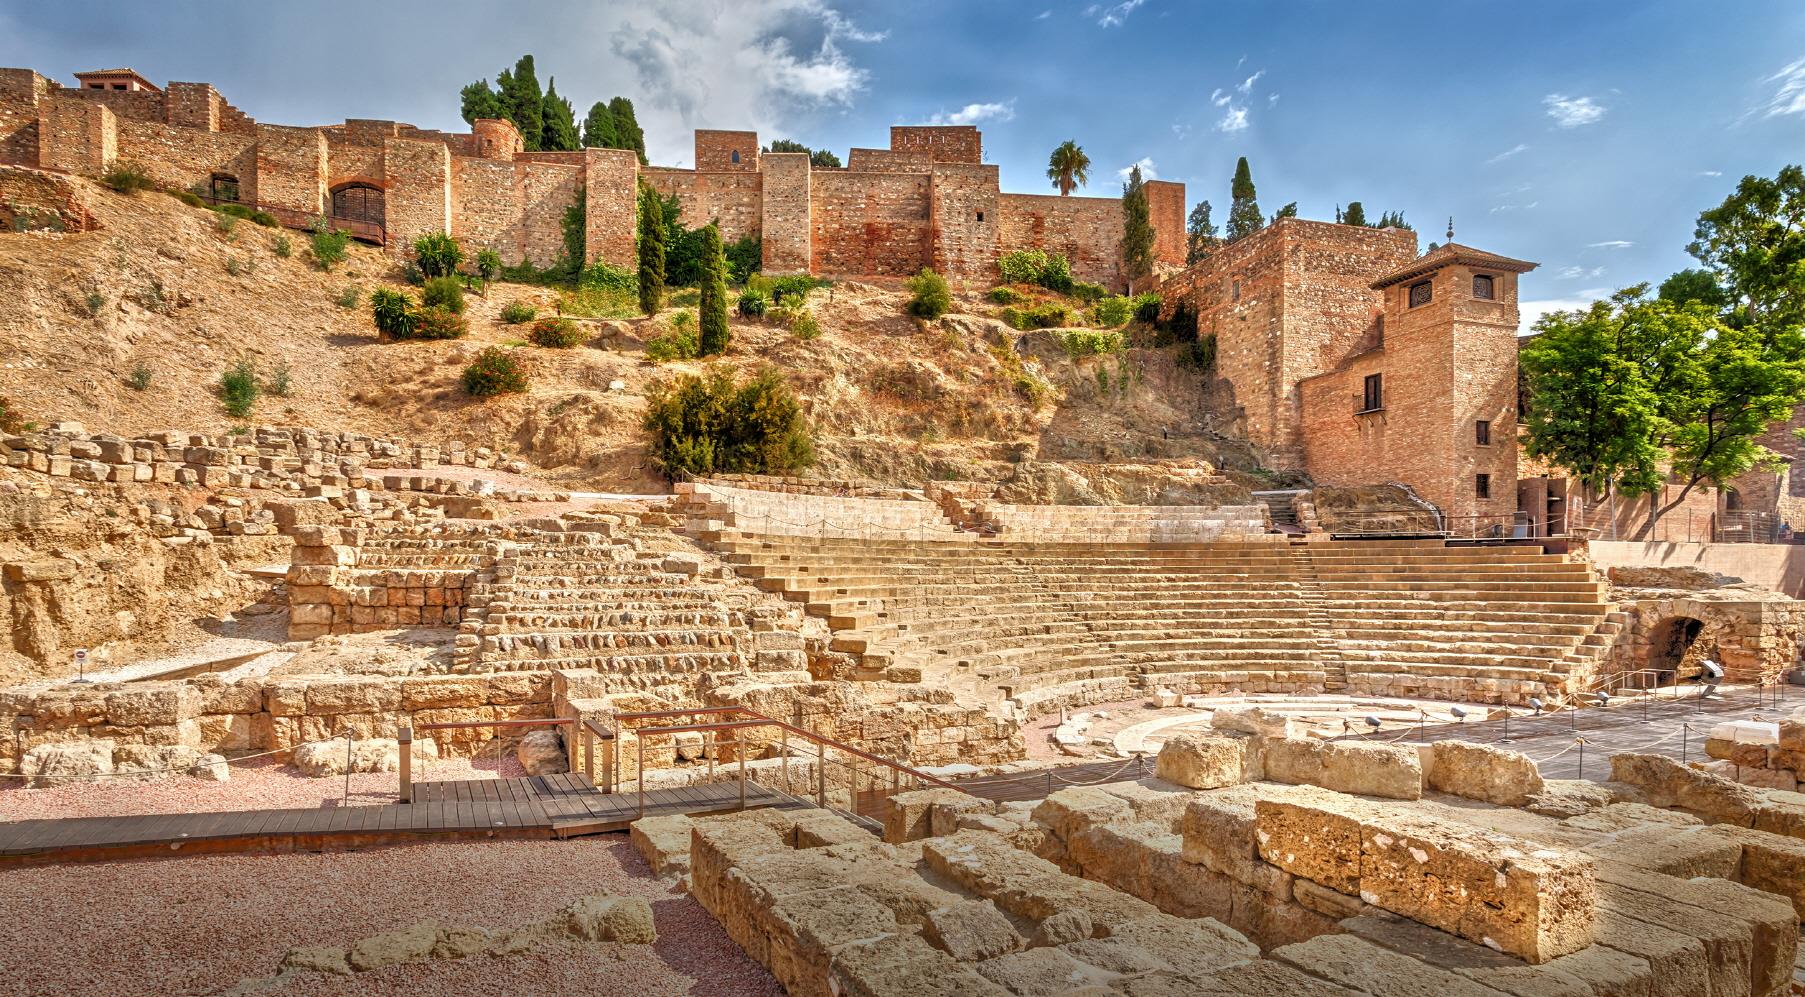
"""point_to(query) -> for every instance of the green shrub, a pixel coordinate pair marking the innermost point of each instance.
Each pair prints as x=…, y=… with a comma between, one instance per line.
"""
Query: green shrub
x=437, y=254
x=126, y=177
x=1112, y=311
x=248, y=213
x=189, y=198
x=238, y=388
x=609, y=277
x=328, y=244
x=1146, y=308
x=796, y=286
x=283, y=247
x=932, y=298
x=1197, y=354
x=518, y=312
x=1024, y=381
x=1048, y=315
x=1089, y=293
x=488, y=264
x=444, y=291
x=714, y=424
x=239, y=267
x=140, y=377
x=439, y=323
x=680, y=343
x=803, y=325
x=393, y=313
x=348, y=297
x=94, y=301
x=753, y=304
x=1080, y=343
x=1006, y=296
x=226, y=224
x=495, y=372
x=557, y=332
x=281, y=380
x=744, y=258
x=1037, y=266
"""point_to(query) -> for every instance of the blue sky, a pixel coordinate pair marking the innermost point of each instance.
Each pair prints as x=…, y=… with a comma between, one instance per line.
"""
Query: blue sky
x=1584, y=135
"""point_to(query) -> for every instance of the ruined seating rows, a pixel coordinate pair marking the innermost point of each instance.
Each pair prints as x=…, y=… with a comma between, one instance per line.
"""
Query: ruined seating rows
x=1049, y=624
x=1142, y=523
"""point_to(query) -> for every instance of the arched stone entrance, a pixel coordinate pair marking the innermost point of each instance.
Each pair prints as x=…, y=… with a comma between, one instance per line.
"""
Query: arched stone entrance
x=1669, y=643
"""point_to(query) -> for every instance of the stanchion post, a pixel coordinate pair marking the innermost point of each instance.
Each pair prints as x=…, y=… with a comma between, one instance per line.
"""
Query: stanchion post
x=641, y=778
x=821, y=774
x=350, y=737
x=404, y=739
x=1582, y=758
x=784, y=755
x=739, y=746
x=1683, y=729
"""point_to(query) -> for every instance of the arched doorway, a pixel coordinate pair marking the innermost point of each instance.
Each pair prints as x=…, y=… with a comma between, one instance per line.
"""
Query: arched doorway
x=1668, y=643
x=359, y=209
x=222, y=188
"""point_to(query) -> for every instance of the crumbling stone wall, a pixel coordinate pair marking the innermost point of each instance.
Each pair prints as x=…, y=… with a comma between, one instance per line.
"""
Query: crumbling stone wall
x=21, y=90
x=33, y=199
x=869, y=223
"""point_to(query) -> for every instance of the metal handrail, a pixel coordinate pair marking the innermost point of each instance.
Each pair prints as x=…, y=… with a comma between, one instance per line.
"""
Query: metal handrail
x=404, y=738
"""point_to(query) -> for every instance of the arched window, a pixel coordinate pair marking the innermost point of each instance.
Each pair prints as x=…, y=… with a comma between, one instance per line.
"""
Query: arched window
x=736, y=155
x=358, y=202
x=222, y=187
x=1732, y=500
x=1482, y=287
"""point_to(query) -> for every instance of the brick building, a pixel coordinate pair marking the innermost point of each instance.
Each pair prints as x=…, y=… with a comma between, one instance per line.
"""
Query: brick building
x=1357, y=361
x=927, y=200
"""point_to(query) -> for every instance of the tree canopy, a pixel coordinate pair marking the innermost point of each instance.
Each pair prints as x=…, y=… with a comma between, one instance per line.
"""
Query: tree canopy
x=1244, y=218
x=1068, y=167
x=547, y=121
x=1137, y=229
x=1200, y=234
x=559, y=133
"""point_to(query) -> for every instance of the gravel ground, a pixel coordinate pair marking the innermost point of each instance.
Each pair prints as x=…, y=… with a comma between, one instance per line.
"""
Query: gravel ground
x=262, y=784
x=199, y=925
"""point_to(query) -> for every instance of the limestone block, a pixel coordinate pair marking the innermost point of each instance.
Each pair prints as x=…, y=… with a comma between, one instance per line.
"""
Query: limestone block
x=226, y=731
x=1205, y=762
x=1667, y=783
x=1024, y=885
x=541, y=752
x=392, y=947
x=945, y=816
x=1256, y=721
x=1310, y=840
x=442, y=692
x=820, y=829
x=1482, y=772
x=378, y=754
x=1772, y=863
x=1672, y=852
x=1041, y=971
x=627, y=920
x=971, y=931
x=1749, y=938
x=211, y=768
x=1792, y=734
x=663, y=842
x=904, y=966
x=1065, y=926
x=1218, y=834
x=910, y=815
x=1076, y=809
x=1357, y=963
x=61, y=764
x=156, y=761
x=326, y=696
x=158, y=703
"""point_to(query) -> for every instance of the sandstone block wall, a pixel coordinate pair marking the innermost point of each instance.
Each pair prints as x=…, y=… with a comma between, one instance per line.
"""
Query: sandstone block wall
x=1088, y=230
x=418, y=199
x=76, y=136
x=291, y=169
x=726, y=151
x=945, y=143
x=869, y=223
x=610, y=185
x=786, y=223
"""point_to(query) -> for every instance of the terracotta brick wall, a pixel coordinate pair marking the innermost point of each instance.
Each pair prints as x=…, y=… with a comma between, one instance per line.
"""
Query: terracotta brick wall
x=716, y=151
x=611, y=185
x=965, y=224
x=870, y=224
x=1088, y=230
x=787, y=224
x=20, y=92
x=291, y=168
x=1484, y=388
x=76, y=136
x=1166, y=203
x=419, y=191
x=946, y=143
x=733, y=198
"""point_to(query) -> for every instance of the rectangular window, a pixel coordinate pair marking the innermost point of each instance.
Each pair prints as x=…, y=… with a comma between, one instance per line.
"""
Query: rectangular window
x=1482, y=432
x=1372, y=397
x=119, y=86
x=1482, y=287
x=1421, y=293
x=97, y=86
x=1482, y=485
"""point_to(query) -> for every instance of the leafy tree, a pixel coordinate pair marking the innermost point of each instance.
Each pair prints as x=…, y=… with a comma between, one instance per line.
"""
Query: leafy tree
x=1753, y=244
x=1068, y=167
x=598, y=128
x=713, y=305
x=1244, y=218
x=626, y=127
x=560, y=123
x=1694, y=285
x=480, y=101
x=786, y=145
x=1200, y=234
x=932, y=297
x=1394, y=219
x=822, y=159
x=1137, y=229
x=522, y=103
x=713, y=424
x=1354, y=215
x=1637, y=391
x=1288, y=211
x=652, y=238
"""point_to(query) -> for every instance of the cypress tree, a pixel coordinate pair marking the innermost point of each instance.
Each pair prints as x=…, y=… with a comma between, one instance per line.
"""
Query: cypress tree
x=652, y=241
x=1355, y=214
x=479, y=100
x=1137, y=229
x=598, y=127
x=714, y=293
x=626, y=127
x=1200, y=234
x=522, y=103
x=1244, y=218
x=560, y=134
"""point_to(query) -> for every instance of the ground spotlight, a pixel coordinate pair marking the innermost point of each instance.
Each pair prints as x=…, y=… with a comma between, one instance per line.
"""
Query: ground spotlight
x=1534, y=702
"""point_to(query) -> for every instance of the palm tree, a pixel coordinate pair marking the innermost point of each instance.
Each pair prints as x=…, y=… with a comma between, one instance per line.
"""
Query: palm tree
x=1069, y=167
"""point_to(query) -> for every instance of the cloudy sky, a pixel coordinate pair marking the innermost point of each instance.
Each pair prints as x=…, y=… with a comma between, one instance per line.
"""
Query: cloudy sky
x=1584, y=135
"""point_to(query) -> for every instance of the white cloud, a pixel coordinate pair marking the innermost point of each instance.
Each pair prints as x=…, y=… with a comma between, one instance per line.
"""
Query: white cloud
x=1271, y=99
x=1043, y=15
x=1610, y=244
x=1577, y=273
x=751, y=66
x=1789, y=96
x=1506, y=154
x=1245, y=87
x=1183, y=131
x=1529, y=311
x=1235, y=120
x=1218, y=98
x=1146, y=165
x=1515, y=207
x=1572, y=112
x=971, y=114
x=1113, y=15
x=1710, y=173
x=1235, y=115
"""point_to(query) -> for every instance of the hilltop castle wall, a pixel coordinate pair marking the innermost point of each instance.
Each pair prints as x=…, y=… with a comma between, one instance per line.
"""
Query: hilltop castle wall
x=928, y=200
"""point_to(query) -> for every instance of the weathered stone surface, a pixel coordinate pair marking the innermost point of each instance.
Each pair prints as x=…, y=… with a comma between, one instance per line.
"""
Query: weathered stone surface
x=1312, y=840
x=663, y=842
x=1042, y=972
x=1026, y=886
x=1076, y=809
x=1357, y=963
x=1667, y=783
x=1672, y=852
x=1201, y=761
x=910, y=817
x=390, y=947
x=377, y=754
x=1065, y=926
x=1482, y=772
x=970, y=932
x=541, y=752
x=1356, y=767
x=60, y=764
x=1256, y=721
x=905, y=966
x=1770, y=862
x=627, y=920
x=315, y=959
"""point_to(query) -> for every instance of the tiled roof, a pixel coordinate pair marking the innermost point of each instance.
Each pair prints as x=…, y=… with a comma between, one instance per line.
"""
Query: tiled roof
x=1452, y=253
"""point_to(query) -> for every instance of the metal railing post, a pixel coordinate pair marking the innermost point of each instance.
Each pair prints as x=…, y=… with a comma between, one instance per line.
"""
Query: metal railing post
x=610, y=765
x=404, y=739
x=739, y=746
x=784, y=762
x=821, y=774
x=641, y=780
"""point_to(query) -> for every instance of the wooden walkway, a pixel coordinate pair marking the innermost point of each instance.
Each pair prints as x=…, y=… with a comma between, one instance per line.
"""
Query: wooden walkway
x=555, y=806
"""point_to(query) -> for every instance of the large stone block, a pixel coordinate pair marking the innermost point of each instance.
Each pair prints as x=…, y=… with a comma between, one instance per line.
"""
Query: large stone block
x=1310, y=840
x=1667, y=783
x=1482, y=772
x=1076, y=809
x=1202, y=761
x=1358, y=767
x=910, y=815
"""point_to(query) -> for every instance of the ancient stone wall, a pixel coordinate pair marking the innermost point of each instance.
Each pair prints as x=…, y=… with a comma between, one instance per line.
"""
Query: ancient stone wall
x=1088, y=230
x=291, y=169
x=734, y=198
x=75, y=136
x=965, y=222
x=21, y=90
x=874, y=224
x=726, y=152
x=546, y=190
x=611, y=183
x=786, y=221
x=184, y=159
x=496, y=138
x=348, y=163
x=32, y=200
x=139, y=105
x=890, y=161
x=1166, y=205
x=192, y=105
x=418, y=199
x=945, y=143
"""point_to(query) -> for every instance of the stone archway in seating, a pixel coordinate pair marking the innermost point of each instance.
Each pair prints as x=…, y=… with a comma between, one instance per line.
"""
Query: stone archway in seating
x=1669, y=644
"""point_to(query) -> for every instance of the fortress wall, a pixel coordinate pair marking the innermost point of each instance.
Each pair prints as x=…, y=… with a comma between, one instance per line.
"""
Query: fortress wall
x=734, y=198
x=611, y=182
x=291, y=168
x=346, y=162
x=488, y=207
x=76, y=136
x=965, y=223
x=21, y=90
x=186, y=159
x=945, y=143
x=870, y=224
x=716, y=151
x=889, y=161
x=139, y=105
x=1166, y=204
x=418, y=200
x=1088, y=230
x=193, y=105
x=787, y=222
x=546, y=190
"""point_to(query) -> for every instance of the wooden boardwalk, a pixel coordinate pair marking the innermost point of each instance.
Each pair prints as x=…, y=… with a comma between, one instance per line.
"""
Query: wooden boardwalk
x=554, y=806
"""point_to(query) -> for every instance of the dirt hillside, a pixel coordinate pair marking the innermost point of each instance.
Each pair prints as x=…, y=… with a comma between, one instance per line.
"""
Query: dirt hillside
x=161, y=285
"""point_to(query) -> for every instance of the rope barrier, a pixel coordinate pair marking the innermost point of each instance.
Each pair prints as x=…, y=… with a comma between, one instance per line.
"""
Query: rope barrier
x=140, y=773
